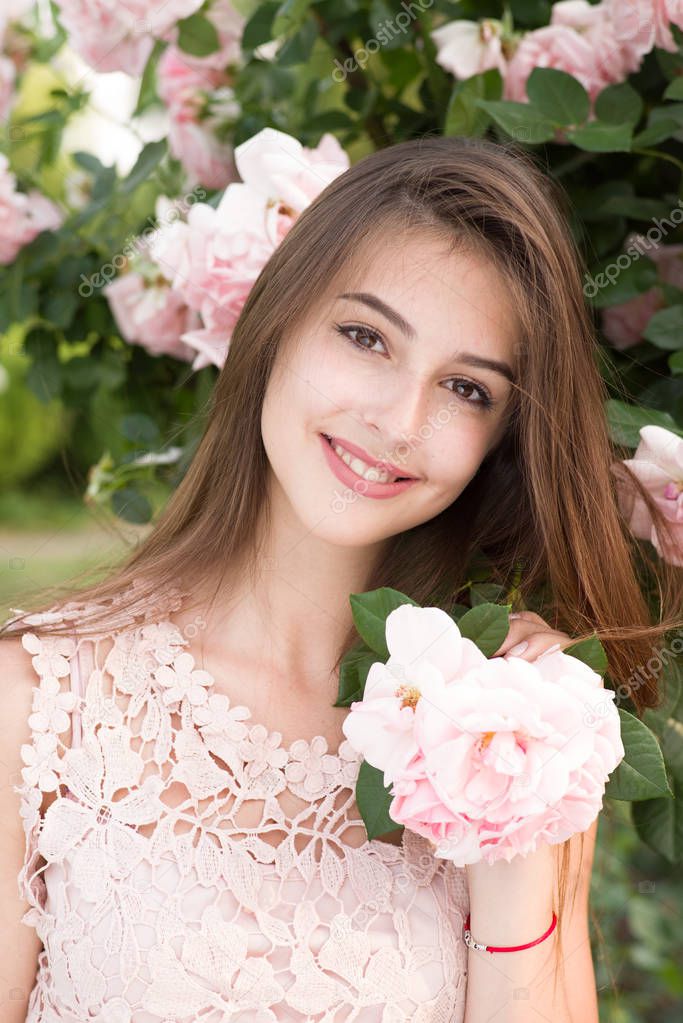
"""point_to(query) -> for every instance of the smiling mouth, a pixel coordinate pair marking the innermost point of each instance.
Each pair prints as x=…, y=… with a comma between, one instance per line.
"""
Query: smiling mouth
x=394, y=479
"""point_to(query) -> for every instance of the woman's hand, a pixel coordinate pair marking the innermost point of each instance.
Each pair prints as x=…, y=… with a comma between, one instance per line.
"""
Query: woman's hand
x=528, y=628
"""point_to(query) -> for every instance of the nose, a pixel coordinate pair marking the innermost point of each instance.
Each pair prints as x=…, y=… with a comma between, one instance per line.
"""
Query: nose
x=396, y=415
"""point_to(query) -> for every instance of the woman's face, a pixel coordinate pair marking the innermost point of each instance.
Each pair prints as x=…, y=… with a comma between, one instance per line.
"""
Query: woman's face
x=392, y=374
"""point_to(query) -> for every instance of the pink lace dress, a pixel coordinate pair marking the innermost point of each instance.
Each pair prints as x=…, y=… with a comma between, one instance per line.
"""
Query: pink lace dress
x=190, y=868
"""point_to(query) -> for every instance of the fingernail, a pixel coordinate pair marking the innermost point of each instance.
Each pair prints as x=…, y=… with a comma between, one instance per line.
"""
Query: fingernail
x=550, y=650
x=515, y=614
x=519, y=649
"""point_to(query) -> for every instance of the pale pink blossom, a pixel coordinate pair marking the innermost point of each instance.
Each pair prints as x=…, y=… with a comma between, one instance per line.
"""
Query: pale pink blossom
x=23, y=215
x=207, y=160
x=42, y=762
x=310, y=766
x=554, y=46
x=150, y=314
x=181, y=680
x=262, y=750
x=195, y=94
x=7, y=77
x=465, y=48
x=229, y=24
x=213, y=259
x=624, y=324
x=488, y=757
x=113, y=36
x=50, y=655
x=217, y=717
x=658, y=464
x=51, y=707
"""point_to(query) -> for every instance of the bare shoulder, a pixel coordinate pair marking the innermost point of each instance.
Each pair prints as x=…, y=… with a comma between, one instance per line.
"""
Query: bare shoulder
x=19, y=943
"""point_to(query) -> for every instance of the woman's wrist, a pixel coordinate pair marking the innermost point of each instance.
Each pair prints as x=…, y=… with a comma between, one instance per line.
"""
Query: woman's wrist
x=512, y=903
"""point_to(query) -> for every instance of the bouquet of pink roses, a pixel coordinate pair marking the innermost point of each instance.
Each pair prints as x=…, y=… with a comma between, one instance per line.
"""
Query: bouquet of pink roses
x=488, y=757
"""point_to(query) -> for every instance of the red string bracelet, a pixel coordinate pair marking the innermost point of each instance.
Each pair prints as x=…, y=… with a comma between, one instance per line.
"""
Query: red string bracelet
x=471, y=943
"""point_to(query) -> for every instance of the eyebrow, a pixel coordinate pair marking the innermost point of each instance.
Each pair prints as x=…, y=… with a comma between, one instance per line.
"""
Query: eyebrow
x=470, y=358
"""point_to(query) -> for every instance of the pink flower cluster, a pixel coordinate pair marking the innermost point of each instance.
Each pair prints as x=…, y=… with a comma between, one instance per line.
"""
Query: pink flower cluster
x=197, y=92
x=12, y=51
x=487, y=757
x=658, y=464
x=599, y=44
x=22, y=215
x=623, y=325
x=112, y=36
x=212, y=259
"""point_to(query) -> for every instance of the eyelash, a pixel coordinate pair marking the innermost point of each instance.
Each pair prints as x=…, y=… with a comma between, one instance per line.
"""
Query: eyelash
x=486, y=401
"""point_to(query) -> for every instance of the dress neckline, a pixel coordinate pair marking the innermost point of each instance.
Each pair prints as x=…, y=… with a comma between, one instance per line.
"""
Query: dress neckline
x=344, y=752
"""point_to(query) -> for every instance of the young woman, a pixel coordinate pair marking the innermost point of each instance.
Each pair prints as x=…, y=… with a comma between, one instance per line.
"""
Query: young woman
x=192, y=848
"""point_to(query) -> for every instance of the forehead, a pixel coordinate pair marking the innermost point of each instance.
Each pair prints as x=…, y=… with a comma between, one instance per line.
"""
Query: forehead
x=438, y=284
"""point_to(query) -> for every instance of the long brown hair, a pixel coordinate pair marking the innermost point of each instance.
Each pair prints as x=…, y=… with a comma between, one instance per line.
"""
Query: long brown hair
x=543, y=506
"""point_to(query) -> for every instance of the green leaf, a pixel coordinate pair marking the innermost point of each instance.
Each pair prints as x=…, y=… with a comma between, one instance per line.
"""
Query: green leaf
x=147, y=93
x=132, y=506
x=140, y=429
x=600, y=137
x=676, y=363
x=591, y=652
x=150, y=156
x=353, y=674
x=297, y=49
x=290, y=17
x=641, y=774
x=486, y=593
x=373, y=801
x=659, y=823
x=558, y=96
x=674, y=90
x=625, y=421
x=198, y=36
x=634, y=207
x=370, y=613
x=520, y=120
x=619, y=104
x=258, y=30
x=463, y=115
x=487, y=625
x=665, y=328
x=612, y=282
x=655, y=133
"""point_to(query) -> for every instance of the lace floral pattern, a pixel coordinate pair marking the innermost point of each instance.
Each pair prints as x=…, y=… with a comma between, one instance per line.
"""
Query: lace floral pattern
x=191, y=868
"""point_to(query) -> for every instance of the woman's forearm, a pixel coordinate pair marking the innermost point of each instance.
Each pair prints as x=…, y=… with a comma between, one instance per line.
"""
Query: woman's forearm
x=511, y=904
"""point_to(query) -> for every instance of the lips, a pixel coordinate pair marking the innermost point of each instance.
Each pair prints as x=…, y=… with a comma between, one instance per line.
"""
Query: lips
x=353, y=449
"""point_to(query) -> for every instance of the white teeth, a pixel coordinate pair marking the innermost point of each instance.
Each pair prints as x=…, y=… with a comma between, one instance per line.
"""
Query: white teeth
x=368, y=472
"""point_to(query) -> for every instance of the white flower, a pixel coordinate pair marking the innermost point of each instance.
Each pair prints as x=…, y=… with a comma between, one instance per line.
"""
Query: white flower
x=42, y=762
x=262, y=750
x=51, y=707
x=311, y=766
x=216, y=717
x=182, y=680
x=49, y=654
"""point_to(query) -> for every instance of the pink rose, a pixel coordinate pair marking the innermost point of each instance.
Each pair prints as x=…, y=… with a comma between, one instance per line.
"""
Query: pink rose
x=555, y=46
x=623, y=325
x=599, y=44
x=150, y=315
x=214, y=258
x=7, y=76
x=658, y=464
x=466, y=48
x=488, y=757
x=207, y=161
x=120, y=36
x=229, y=24
x=22, y=215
